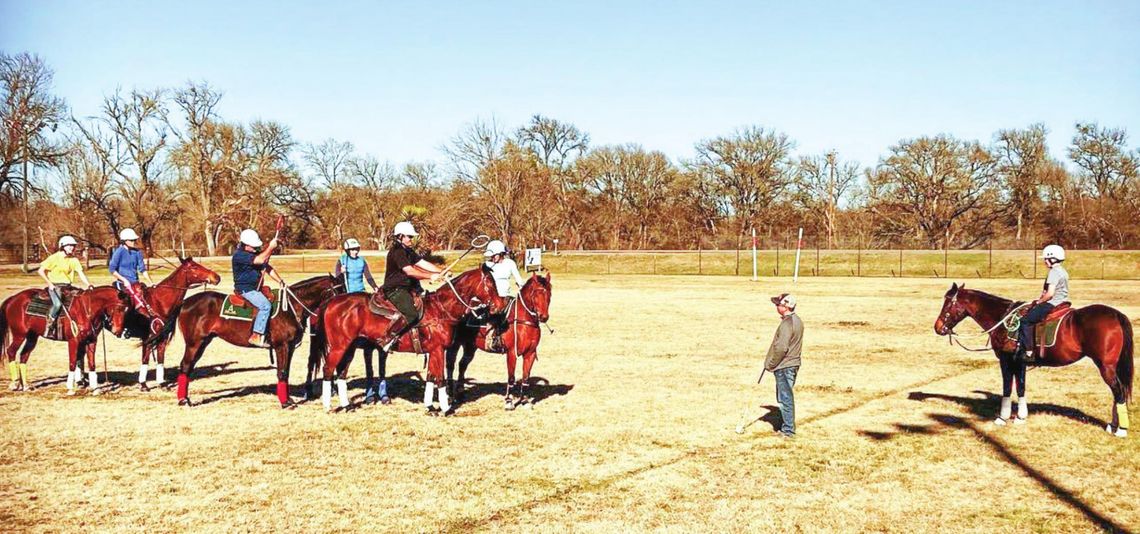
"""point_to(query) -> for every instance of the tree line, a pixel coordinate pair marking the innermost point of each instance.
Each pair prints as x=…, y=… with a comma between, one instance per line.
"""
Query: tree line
x=165, y=162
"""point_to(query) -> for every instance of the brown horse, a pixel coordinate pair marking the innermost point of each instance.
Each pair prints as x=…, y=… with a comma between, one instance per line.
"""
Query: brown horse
x=345, y=321
x=520, y=339
x=164, y=298
x=200, y=320
x=79, y=325
x=1099, y=332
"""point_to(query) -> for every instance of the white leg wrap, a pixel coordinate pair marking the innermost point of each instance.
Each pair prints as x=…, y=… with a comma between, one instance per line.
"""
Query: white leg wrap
x=342, y=390
x=1006, y=407
x=159, y=374
x=1022, y=408
x=71, y=379
x=429, y=394
x=93, y=377
x=444, y=400
x=326, y=394
x=142, y=374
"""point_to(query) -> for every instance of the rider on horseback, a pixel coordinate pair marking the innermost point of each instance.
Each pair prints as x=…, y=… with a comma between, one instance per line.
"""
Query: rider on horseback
x=61, y=268
x=353, y=268
x=402, y=274
x=1055, y=292
x=249, y=264
x=503, y=269
x=126, y=266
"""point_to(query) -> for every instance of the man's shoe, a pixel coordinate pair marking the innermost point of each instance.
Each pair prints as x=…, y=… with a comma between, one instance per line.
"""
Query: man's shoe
x=258, y=341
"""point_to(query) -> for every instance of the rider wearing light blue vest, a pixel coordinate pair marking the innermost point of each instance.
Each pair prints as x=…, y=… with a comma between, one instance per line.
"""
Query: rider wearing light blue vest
x=353, y=268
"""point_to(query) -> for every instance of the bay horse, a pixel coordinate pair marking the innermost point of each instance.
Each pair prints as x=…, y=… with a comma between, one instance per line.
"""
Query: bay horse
x=200, y=320
x=164, y=298
x=345, y=321
x=1100, y=332
x=79, y=325
x=519, y=340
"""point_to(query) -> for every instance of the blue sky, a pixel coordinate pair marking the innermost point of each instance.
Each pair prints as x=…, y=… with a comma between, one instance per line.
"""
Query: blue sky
x=399, y=79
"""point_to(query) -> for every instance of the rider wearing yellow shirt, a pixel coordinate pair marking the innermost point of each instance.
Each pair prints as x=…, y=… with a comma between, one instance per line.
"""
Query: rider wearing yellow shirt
x=59, y=269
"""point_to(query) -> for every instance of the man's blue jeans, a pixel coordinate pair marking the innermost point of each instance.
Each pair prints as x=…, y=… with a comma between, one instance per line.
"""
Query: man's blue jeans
x=263, y=307
x=785, y=380
x=1035, y=315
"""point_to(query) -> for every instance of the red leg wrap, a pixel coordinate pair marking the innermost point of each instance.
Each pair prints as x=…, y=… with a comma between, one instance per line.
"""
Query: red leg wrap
x=183, y=386
x=283, y=393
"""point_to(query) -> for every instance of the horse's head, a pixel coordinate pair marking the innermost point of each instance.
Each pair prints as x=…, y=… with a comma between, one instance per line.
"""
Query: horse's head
x=316, y=290
x=117, y=316
x=106, y=306
x=536, y=296
x=195, y=273
x=478, y=287
x=953, y=310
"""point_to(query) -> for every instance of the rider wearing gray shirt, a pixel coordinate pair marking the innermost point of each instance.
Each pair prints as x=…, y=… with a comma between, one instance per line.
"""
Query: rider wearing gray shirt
x=1055, y=292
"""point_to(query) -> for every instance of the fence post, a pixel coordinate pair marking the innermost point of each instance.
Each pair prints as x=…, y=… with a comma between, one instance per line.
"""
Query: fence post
x=777, y=258
x=900, y=261
x=991, y=241
x=700, y=266
x=817, y=273
x=859, y=259
x=302, y=262
x=654, y=262
x=1033, y=255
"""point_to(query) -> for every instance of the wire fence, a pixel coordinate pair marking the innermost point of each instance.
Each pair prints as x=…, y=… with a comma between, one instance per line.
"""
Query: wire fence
x=897, y=263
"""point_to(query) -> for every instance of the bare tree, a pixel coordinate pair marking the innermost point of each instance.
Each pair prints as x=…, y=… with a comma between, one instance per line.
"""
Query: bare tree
x=750, y=169
x=931, y=183
x=823, y=184
x=1023, y=164
x=1108, y=167
x=28, y=112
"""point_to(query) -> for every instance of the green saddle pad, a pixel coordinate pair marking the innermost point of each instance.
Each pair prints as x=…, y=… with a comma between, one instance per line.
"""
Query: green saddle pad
x=1045, y=333
x=246, y=313
x=40, y=303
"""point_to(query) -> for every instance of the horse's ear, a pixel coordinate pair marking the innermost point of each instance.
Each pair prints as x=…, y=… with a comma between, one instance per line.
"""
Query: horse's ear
x=963, y=286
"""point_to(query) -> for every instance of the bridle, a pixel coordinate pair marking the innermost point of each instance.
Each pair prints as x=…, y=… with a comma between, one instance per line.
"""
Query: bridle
x=472, y=309
x=289, y=294
x=953, y=336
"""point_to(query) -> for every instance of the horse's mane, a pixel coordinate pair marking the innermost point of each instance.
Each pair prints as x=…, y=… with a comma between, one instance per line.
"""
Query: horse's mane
x=986, y=296
x=313, y=280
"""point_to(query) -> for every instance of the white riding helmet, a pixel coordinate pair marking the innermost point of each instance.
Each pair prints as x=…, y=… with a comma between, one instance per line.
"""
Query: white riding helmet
x=405, y=228
x=1053, y=252
x=128, y=234
x=249, y=237
x=351, y=243
x=67, y=240
x=495, y=247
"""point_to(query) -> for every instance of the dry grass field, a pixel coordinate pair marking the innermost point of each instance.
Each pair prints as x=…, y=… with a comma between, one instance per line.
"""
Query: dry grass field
x=639, y=390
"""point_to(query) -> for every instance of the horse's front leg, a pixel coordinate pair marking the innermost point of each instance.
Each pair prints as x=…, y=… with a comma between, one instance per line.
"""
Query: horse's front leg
x=528, y=363
x=72, y=372
x=449, y=358
x=1022, y=401
x=370, y=393
x=92, y=374
x=1007, y=377
x=435, y=381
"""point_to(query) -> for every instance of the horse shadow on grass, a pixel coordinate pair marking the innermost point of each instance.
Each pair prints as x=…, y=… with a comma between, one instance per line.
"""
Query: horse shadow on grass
x=538, y=389
x=986, y=406
x=942, y=422
x=115, y=380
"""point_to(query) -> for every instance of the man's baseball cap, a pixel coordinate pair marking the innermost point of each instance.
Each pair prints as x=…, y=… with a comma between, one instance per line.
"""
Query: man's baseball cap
x=786, y=299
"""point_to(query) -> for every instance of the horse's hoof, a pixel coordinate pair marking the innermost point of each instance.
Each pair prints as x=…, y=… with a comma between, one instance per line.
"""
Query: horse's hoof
x=509, y=406
x=999, y=422
x=185, y=402
x=96, y=392
x=143, y=387
x=1121, y=433
x=289, y=405
x=1018, y=420
x=432, y=411
x=385, y=400
x=71, y=393
x=166, y=385
x=369, y=401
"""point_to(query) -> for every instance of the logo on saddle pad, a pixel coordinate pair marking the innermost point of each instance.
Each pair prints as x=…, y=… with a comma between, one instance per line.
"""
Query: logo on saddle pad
x=237, y=308
x=1045, y=332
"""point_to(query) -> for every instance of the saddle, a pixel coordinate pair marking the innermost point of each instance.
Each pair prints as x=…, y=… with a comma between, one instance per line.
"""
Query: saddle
x=236, y=307
x=378, y=304
x=1045, y=332
x=40, y=303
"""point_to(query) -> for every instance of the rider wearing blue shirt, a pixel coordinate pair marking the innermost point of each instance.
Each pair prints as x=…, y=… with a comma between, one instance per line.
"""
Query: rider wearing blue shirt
x=353, y=268
x=249, y=263
x=126, y=266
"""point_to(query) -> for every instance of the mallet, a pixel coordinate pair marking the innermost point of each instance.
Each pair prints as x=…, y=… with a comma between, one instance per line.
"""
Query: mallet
x=479, y=241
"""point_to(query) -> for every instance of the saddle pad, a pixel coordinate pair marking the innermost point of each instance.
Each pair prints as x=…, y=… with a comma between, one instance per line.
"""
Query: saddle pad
x=246, y=313
x=1045, y=333
x=379, y=305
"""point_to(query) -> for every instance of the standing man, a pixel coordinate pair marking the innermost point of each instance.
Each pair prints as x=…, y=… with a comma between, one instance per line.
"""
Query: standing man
x=403, y=270
x=783, y=360
x=249, y=263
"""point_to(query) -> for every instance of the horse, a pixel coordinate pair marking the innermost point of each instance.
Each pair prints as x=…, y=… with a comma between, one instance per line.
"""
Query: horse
x=79, y=325
x=345, y=321
x=164, y=298
x=200, y=320
x=1100, y=332
x=520, y=339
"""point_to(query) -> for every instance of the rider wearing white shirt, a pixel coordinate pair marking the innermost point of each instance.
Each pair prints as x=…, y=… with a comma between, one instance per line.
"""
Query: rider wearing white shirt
x=503, y=269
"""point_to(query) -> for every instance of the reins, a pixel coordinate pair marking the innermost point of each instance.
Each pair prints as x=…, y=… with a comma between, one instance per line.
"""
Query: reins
x=953, y=336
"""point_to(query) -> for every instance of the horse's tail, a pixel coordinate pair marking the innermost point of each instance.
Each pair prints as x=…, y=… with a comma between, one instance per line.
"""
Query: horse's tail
x=166, y=333
x=1124, y=367
x=318, y=345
